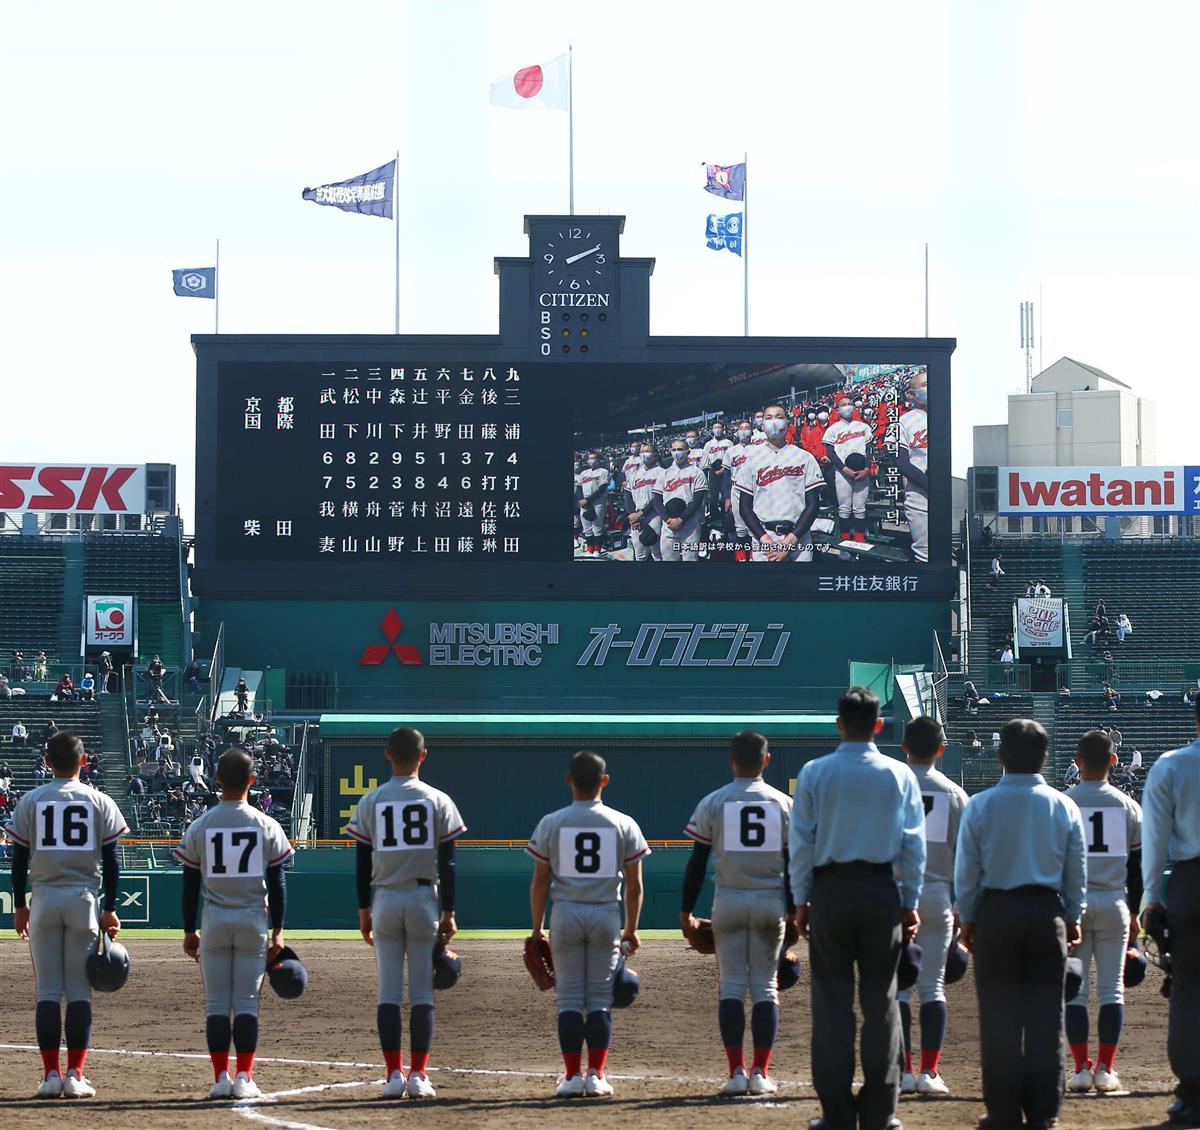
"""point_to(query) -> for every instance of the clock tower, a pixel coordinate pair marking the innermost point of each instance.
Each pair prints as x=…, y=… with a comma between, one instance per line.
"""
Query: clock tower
x=574, y=298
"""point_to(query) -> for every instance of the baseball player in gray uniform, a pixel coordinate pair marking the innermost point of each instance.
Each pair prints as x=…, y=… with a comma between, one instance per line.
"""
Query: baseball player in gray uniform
x=640, y=484
x=743, y=826
x=683, y=480
x=64, y=836
x=1112, y=825
x=233, y=858
x=406, y=831
x=944, y=802
x=914, y=466
x=593, y=499
x=581, y=853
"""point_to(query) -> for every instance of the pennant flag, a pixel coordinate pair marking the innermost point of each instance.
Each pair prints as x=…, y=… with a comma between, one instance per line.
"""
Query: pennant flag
x=724, y=233
x=545, y=85
x=369, y=194
x=195, y=282
x=728, y=181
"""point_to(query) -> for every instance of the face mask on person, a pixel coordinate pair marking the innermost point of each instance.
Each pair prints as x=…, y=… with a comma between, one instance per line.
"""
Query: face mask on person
x=758, y=422
x=718, y=433
x=845, y=411
x=812, y=419
x=858, y=404
x=647, y=458
x=774, y=427
x=680, y=457
x=692, y=441
x=744, y=434
x=823, y=417
x=633, y=449
x=593, y=462
x=920, y=397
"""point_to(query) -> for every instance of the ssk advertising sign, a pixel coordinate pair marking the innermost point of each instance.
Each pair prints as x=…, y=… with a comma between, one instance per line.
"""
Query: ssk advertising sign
x=109, y=621
x=1039, y=622
x=73, y=488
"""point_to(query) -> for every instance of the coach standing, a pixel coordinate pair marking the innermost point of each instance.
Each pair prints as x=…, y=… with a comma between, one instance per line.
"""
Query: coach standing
x=857, y=815
x=1021, y=880
x=1171, y=830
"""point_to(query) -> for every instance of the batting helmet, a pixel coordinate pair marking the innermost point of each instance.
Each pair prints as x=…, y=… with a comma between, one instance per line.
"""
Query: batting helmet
x=957, y=959
x=674, y=507
x=647, y=536
x=856, y=461
x=107, y=965
x=1135, y=967
x=626, y=984
x=447, y=967
x=287, y=974
x=910, y=966
x=788, y=972
x=1074, y=979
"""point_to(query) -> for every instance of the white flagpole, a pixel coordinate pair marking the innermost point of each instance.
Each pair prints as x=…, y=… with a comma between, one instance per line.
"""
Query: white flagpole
x=217, y=291
x=396, y=225
x=571, y=128
x=927, y=290
x=745, y=244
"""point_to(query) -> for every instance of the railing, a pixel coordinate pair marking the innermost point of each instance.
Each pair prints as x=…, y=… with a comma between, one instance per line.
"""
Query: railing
x=54, y=671
x=302, y=797
x=216, y=670
x=1134, y=674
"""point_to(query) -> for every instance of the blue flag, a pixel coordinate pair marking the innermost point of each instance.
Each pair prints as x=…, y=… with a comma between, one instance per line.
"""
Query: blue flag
x=724, y=233
x=370, y=194
x=728, y=181
x=195, y=282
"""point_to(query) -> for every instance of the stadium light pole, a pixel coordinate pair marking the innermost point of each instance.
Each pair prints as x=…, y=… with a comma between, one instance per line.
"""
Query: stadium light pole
x=217, y=290
x=396, y=226
x=745, y=243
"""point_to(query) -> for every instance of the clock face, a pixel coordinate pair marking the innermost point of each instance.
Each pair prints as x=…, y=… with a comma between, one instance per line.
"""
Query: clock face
x=574, y=258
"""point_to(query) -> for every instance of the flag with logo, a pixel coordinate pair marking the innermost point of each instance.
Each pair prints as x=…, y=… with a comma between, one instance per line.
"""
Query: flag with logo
x=195, y=282
x=724, y=233
x=369, y=194
x=728, y=181
x=543, y=86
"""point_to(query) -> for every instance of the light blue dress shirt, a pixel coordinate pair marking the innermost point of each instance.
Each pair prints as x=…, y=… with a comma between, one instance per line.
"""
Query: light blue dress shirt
x=856, y=804
x=1170, y=814
x=1020, y=833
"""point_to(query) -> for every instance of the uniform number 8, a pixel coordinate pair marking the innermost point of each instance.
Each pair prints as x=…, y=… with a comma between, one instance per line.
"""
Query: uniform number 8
x=587, y=853
x=753, y=825
x=414, y=825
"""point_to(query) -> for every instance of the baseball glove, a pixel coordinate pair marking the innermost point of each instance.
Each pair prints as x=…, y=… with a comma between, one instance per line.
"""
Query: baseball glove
x=589, y=512
x=791, y=934
x=539, y=962
x=703, y=940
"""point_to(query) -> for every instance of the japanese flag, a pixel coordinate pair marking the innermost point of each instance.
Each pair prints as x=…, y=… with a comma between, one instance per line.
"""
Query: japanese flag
x=545, y=86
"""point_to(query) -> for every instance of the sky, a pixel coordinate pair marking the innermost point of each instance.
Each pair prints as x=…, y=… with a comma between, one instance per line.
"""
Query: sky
x=1046, y=152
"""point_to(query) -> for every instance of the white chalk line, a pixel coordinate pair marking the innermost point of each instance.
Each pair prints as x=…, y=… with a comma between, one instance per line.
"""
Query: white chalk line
x=250, y=1111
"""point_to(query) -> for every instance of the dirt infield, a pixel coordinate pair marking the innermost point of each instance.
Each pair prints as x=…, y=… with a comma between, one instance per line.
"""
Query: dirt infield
x=495, y=1052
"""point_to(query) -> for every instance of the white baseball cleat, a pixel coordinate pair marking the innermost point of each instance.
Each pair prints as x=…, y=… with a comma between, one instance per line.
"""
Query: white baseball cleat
x=1081, y=1082
x=737, y=1083
x=569, y=1087
x=1106, y=1080
x=51, y=1087
x=908, y=1083
x=930, y=1084
x=595, y=1086
x=245, y=1088
x=75, y=1086
x=419, y=1087
x=222, y=1088
x=761, y=1084
x=396, y=1086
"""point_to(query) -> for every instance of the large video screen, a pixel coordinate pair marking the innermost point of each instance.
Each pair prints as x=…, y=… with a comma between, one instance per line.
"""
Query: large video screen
x=443, y=472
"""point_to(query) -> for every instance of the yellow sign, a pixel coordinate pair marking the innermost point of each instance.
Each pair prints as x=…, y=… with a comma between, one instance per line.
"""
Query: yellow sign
x=356, y=788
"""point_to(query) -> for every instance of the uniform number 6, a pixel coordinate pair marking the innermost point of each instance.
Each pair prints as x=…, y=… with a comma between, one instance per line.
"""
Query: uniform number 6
x=753, y=825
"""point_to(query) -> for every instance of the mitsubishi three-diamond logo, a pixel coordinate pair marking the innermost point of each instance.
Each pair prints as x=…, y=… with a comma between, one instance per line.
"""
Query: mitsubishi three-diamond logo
x=375, y=654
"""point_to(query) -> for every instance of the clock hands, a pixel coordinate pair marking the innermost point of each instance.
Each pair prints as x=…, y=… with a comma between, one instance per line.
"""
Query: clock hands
x=583, y=254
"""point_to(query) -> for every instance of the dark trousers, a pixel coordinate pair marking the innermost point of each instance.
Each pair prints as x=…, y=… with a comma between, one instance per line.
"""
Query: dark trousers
x=855, y=924
x=1183, y=1022
x=1020, y=965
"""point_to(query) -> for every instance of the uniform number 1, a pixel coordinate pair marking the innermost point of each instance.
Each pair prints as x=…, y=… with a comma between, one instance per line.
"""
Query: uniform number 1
x=1096, y=820
x=414, y=825
x=247, y=841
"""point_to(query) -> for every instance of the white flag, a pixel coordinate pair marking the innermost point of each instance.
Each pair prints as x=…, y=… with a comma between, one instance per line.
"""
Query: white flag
x=545, y=85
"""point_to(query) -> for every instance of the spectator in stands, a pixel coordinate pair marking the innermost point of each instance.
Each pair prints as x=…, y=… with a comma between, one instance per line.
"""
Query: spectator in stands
x=1153, y=696
x=155, y=673
x=265, y=800
x=1135, y=759
x=1006, y=654
x=1071, y=776
x=1117, y=737
x=970, y=698
x=1110, y=667
x=5, y=689
x=242, y=694
x=995, y=739
x=1101, y=612
x=40, y=769
x=1124, y=627
x=191, y=676
x=971, y=741
x=5, y=776
x=65, y=691
x=107, y=674
x=48, y=732
x=1029, y=589
x=1112, y=697
x=1064, y=691
x=20, y=669
x=1041, y=588
x=153, y=811
x=40, y=662
x=87, y=688
x=1093, y=631
x=134, y=786
x=20, y=735
x=997, y=569
x=151, y=718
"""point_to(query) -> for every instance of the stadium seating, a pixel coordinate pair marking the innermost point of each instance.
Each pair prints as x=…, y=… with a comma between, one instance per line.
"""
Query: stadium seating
x=82, y=718
x=32, y=572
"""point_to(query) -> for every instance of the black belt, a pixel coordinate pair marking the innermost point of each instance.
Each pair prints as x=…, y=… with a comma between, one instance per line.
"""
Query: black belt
x=1028, y=889
x=782, y=529
x=1186, y=863
x=854, y=868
